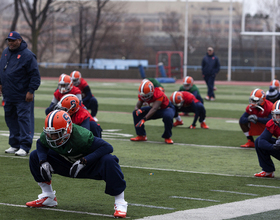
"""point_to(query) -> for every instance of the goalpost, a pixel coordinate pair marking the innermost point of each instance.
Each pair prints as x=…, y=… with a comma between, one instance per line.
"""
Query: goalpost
x=257, y=33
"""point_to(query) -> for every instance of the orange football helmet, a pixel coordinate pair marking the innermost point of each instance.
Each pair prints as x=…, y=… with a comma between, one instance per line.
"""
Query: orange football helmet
x=76, y=77
x=69, y=103
x=257, y=98
x=188, y=82
x=274, y=84
x=58, y=128
x=177, y=99
x=64, y=83
x=146, y=89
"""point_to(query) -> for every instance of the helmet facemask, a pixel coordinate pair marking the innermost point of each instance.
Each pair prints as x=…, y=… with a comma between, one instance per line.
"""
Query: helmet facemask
x=187, y=86
x=147, y=96
x=56, y=138
x=76, y=81
x=276, y=117
x=63, y=87
x=58, y=128
x=276, y=113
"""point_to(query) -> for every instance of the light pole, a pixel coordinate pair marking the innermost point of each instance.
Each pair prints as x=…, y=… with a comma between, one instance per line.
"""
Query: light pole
x=186, y=40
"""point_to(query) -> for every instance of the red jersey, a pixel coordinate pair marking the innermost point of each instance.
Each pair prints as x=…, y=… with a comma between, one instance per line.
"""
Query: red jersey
x=273, y=128
x=189, y=98
x=157, y=96
x=82, y=84
x=258, y=112
x=74, y=91
x=81, y=115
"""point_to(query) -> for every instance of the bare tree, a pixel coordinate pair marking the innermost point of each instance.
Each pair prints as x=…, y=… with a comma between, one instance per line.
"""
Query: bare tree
x=15, y=18
x=92, y=27
x=35, y=15
x=171, y=26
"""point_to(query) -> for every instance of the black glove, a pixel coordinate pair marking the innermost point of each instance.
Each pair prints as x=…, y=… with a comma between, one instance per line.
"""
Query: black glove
x=276, y=146
x=253, y=118
x=76, y=167
x=46, y=170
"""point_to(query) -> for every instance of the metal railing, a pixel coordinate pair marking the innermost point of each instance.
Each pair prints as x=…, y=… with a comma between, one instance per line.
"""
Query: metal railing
x=85, y=65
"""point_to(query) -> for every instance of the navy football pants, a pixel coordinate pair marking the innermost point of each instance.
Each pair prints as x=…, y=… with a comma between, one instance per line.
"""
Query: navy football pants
x=91, y=104
x=264, y=157
x=106, y=168
x=19, y=117
x=166, y=115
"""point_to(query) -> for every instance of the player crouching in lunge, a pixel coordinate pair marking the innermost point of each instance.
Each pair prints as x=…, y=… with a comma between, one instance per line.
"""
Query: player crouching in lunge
x=257, y=114
x=267, y=146
x=69, y=150
x=159, y=106
x=186, y=102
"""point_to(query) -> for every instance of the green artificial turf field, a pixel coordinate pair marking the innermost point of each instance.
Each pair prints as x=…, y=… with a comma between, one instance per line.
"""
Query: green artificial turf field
x=198, y=170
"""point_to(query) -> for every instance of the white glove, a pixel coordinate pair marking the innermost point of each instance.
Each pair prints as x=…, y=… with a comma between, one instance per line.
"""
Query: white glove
x=46, y=171
x=76, y=167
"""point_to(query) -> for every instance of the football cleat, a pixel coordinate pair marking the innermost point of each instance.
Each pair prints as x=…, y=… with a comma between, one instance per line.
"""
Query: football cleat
x=248, y=144
x=192, y=127
x=178, y=123
x=168, y=141
x=204, y=125
x=44, y=200
x=120, y=210
x=21, y=152
x=207, y=98
x=264, y=174
x=212, y=99
x=11, y=150
x=139, y=138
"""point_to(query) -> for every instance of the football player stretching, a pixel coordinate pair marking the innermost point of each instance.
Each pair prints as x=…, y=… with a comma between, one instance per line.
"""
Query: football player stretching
x=70, y=150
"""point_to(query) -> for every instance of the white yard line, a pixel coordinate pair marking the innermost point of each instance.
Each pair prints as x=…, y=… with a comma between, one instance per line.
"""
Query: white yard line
x=233, y=192
x=191, y=198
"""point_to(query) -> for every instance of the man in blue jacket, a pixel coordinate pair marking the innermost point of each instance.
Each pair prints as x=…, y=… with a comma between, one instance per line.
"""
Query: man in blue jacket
x=19, y=78
x=210, y=67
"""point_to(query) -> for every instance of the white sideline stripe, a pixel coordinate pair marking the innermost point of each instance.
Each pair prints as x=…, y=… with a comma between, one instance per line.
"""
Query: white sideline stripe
x=249, y=194
x=232, y=121
x=274, y=187
x=224, y=211
x=60, y=210
x=183, y=171
x=150, y=206
x=154, y=142
x=181, y=197
x=182, y=144
x=151, y=168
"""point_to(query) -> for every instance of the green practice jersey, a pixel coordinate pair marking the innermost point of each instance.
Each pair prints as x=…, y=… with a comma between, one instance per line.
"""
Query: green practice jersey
x=191, y=90
x=155, y=82
x=76, y=147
